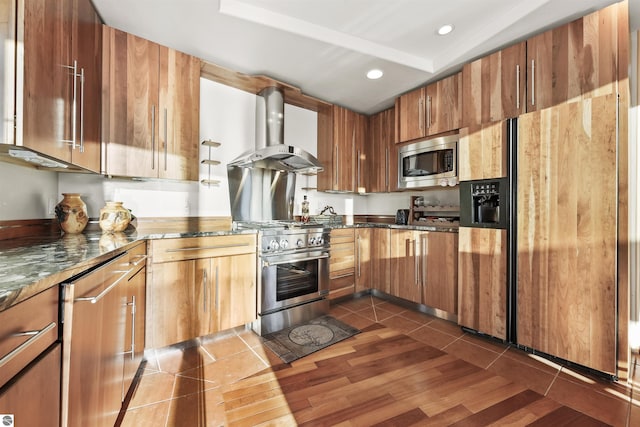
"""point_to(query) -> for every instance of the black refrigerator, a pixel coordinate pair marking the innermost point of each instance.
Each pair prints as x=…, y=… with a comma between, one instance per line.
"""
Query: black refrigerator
x=556, y=248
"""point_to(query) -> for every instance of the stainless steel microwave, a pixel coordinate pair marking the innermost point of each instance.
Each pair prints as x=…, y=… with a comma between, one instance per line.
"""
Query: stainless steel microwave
x=428, y=163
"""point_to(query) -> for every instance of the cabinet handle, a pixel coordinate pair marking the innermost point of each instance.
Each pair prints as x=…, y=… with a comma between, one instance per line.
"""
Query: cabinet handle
x=425, y=254
x=166, y=141
x=140, y=259
x=217, y=286
x=74, y=107
x=204, y=290
x=202, y=248
x=533, y=82
x=517, y=86
x=358, y=255
x=108, y=289
x=421, y=114
x=428, y=112
x=386, y=175
x=153, y=137
x=82, y=110
x=35, y=336
x=358, y=181
x=415, y=263
x=132, y=304
x=337, y=165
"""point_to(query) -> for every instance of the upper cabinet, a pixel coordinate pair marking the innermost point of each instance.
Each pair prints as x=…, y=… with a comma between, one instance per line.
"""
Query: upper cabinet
x=574, y=61
x=430, y=110
x=494, y=87
x=150, y=113
x=341, y=134
x=382, y=155
x=58, y=80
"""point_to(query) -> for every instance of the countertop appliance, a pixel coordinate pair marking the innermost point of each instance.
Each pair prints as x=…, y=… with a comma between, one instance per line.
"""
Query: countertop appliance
x=428, y=163
x=402, y=216
x=547, y=275
x=293, y=278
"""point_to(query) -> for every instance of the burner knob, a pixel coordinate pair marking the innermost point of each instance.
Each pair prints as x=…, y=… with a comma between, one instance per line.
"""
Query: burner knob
x=299, y=243
x=273, y=246
x=312, y=240
x=284, y=244
x=319, y=241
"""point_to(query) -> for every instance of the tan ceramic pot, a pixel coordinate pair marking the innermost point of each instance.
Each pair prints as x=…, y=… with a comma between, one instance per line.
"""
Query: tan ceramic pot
x=72, y=213
x=114, y=217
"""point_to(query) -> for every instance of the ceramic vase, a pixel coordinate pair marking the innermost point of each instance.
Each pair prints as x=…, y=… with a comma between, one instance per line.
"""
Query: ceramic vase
x=72, y=213
x=114, y=217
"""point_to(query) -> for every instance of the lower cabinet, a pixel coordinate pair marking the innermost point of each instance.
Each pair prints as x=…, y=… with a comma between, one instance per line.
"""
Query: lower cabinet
x=381, y=259
x=93, y=342
x=30, y=355
x=198, y=286
x=363, y=258
x=424, y=268
x=342, y=263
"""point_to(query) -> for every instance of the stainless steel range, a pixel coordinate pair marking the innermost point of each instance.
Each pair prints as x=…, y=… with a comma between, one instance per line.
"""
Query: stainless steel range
x=293, y=274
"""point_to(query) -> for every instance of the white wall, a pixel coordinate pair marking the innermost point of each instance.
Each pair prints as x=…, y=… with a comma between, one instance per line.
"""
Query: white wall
x=27, y=193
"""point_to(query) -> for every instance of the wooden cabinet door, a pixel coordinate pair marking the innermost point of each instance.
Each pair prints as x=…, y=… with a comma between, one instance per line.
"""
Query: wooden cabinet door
x=574, y=61
x=363, y=258
x=493, y=87
x=381, y=259
x=405, y=269
x=34, y=398
x=177, y=295
x=443, y=105
x=325, y=179
x=234, y=290
x=482, y=152
x=344, y=122
x=87, y=51
x=566, y=249
x=361, y=147
x=134, y=327
x=130, y=115
x=439, y=275
x=178, y=115
x=410, y=110
x=382, y=161
x=482, y=280
x=47, y=92
x=342, y=263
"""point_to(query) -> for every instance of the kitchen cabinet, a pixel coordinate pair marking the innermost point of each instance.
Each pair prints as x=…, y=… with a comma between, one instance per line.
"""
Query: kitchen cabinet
x=493, y=87
x=482, y=152
x=574, y=61
x=424, y=268
x=95, y=308
x=363, y=258
x=381, y=259
x=198, y=286
x=342, y=263
x=135, y=294
x=150, y=112
x=567, y=181
x=58, y=63
x=430, y=110
x=382, y=159
x=482, y=280
x=30, y=360
x=341, y=134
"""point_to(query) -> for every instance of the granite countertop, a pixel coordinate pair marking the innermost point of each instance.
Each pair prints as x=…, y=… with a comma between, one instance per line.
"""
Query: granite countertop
x=444, y=227
x=30, y=265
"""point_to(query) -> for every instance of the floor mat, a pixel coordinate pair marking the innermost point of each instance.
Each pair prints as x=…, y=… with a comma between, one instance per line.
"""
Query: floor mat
x=300, y=340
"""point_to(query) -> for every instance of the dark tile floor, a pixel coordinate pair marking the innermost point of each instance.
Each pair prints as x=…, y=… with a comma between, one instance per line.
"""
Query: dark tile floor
x=175, y=381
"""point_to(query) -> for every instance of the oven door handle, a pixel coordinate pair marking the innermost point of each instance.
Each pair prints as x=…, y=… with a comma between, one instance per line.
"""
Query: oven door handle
x=311, y=258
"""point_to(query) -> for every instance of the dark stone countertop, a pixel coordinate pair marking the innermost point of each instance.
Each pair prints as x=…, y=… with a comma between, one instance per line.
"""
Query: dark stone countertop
x=30, y=265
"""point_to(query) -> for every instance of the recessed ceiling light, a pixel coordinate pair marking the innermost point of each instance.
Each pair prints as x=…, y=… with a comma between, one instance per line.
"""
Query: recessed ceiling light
x=445, y=29
x=374, y=74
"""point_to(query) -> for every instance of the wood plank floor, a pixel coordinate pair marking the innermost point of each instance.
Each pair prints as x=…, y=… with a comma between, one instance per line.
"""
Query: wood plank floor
x=404, y=368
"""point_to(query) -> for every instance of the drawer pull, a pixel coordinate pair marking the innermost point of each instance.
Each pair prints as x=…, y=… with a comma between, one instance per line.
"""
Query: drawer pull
x=101, y=295
x=35, y=335
x=202, y=248
x=140, y=259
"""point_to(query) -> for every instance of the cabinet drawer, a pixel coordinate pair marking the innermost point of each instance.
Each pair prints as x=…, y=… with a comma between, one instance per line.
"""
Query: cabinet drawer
x=26, y=330
x=165, y=250
x=137, y=258
x=342, y=258
x=342, y=235
x=341, y=286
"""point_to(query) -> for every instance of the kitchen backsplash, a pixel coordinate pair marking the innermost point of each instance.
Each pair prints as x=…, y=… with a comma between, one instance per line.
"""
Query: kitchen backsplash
x=227, y=115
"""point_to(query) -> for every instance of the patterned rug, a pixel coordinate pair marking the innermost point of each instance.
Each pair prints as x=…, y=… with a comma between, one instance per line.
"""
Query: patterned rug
x=300, y=340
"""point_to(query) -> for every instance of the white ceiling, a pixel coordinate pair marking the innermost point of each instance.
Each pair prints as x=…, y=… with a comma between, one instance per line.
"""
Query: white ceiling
x=325, y=47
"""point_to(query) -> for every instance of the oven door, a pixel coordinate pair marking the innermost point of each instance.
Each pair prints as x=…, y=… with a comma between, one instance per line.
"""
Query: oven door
x=289, y=280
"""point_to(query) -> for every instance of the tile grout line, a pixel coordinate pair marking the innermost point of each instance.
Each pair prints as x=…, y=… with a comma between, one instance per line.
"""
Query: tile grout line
x=499, y=356
x=553, y=382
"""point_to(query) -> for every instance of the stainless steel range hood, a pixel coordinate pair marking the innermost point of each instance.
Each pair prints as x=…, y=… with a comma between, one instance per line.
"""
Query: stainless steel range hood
x=271, y=152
